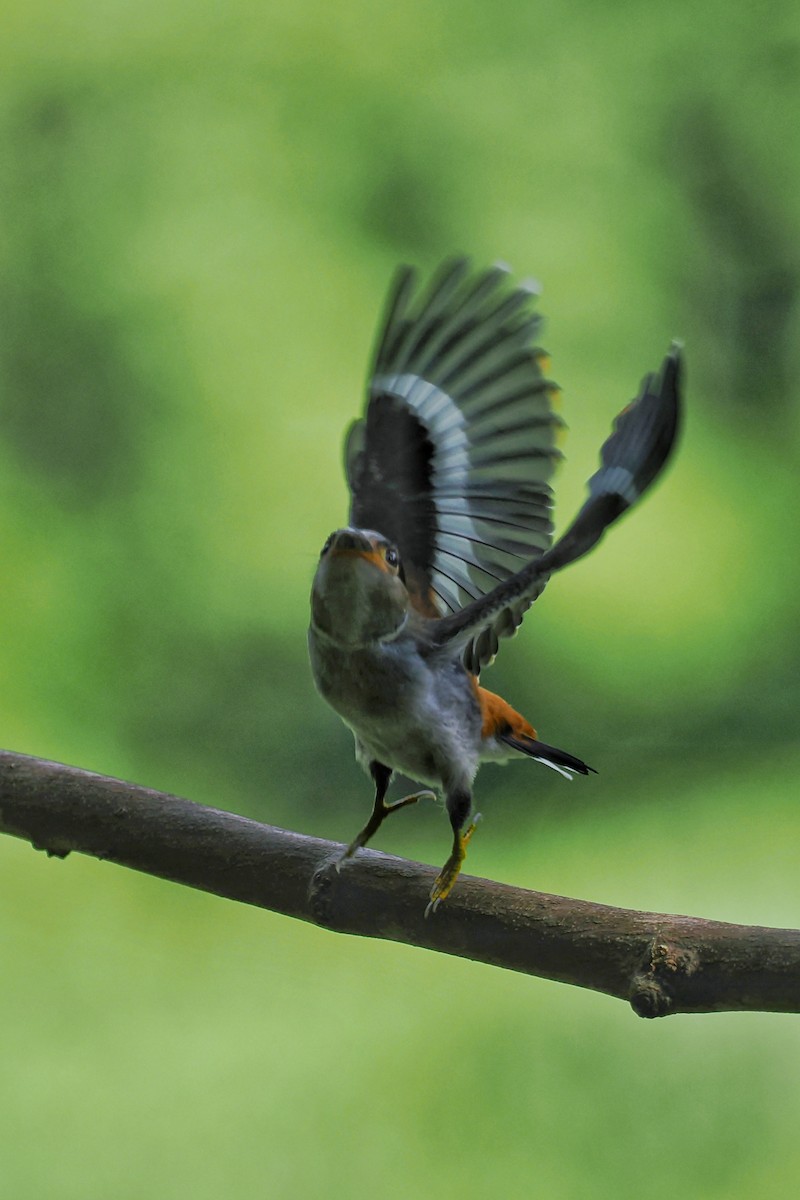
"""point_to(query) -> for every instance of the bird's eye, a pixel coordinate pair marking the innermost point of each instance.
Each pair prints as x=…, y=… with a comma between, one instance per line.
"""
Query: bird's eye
x=392, y=557
x=326, y=547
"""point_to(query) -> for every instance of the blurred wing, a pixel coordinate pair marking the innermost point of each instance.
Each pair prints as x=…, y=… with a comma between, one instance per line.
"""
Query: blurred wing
x=640, y=444
x=453, y=457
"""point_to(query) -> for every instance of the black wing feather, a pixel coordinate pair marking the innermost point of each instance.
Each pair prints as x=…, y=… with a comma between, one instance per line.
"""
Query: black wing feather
x=453, y=456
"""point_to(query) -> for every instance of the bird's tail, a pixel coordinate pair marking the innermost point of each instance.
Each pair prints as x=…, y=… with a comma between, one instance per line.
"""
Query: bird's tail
x=560, y=760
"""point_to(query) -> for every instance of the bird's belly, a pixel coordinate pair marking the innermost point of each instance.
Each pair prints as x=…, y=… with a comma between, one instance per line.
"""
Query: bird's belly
x=414, y=718
x=404, y=746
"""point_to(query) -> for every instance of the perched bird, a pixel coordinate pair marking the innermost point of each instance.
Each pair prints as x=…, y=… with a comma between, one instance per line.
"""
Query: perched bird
x=450, y=536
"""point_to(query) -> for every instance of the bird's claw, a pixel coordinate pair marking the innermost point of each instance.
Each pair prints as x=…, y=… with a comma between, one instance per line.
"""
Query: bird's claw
x=379, y=815
x=443, y=884
x=343, y=857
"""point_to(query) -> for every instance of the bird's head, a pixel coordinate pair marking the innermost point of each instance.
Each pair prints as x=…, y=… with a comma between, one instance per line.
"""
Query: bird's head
x=358, y=595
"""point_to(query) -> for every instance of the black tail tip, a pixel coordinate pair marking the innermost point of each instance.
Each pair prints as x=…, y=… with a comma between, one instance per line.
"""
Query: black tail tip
x=581, y=767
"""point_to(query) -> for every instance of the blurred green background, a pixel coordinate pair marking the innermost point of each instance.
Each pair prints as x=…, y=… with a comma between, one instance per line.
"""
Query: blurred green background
x=200, y=209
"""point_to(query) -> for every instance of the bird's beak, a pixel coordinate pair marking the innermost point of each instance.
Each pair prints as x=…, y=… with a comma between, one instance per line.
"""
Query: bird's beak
x=352, y=542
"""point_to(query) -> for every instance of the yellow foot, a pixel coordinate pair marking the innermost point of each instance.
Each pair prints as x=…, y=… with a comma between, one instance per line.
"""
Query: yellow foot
x=372, y=826
x=449, y=873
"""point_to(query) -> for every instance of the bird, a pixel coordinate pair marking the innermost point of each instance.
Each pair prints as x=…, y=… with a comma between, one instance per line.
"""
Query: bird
x=450, y=535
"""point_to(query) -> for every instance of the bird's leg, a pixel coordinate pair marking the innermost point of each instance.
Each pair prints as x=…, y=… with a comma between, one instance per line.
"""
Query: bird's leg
x=459, y=804
x=380, y=809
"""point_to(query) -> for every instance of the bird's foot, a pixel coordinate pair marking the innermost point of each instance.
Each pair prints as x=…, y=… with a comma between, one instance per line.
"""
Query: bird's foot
x=449, y=873
x=424, y=795
x=379, y=815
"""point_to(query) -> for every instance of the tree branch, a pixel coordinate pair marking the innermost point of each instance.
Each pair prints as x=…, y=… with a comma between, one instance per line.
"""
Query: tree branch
x=661, y=964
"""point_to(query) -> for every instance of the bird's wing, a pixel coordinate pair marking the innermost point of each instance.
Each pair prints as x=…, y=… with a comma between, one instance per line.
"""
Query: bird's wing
x=633, y=456
x=453, y=457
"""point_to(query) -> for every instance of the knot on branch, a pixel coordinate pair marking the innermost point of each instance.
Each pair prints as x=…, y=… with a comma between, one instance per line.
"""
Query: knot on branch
x=654, y=985
x=51, y=851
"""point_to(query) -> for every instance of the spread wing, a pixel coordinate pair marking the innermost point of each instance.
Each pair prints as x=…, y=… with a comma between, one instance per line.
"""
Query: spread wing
x=634, y=455
x=453, y=457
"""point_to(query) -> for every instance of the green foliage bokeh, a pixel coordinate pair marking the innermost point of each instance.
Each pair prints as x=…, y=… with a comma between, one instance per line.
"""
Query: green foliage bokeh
x=200, y=209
